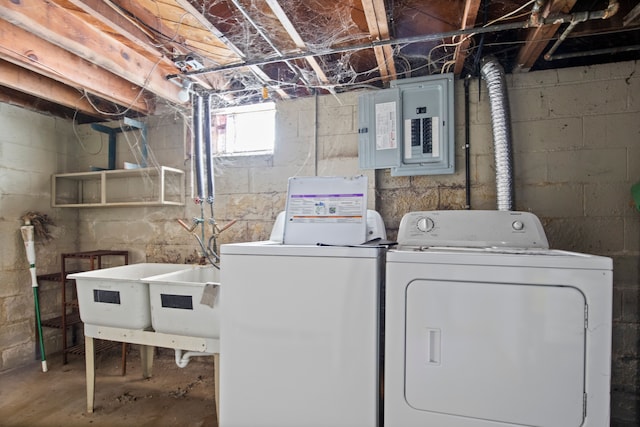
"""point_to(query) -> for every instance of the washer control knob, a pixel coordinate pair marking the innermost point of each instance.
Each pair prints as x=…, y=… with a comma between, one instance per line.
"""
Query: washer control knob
x=517, y=225
x=425, y=224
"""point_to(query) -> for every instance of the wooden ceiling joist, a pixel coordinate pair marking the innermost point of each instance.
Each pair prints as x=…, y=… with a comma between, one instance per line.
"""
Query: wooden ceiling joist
x=18, y=78
x=376, y=16
x=206, y=24
x=35, y=54
x=469, y=16
x=149, y=19
x=539, y=37
x=106, y=13
x=123, y=56
x=62, y=28
x=257, y=71
x=297, y=39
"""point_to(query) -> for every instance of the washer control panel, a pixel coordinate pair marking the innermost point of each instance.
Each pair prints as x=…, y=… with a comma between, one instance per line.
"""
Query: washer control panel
x=425, y=224
x=467, y=228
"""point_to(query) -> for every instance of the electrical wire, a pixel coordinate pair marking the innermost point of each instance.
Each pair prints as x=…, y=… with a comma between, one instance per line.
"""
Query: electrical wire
x=507, y=15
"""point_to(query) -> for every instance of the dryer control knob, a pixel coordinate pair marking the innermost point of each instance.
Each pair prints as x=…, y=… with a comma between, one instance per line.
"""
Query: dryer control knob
x=517, y=225
x=425, y=224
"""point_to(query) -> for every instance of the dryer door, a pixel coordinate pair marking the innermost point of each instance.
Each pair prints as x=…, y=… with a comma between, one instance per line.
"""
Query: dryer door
x=501, y=352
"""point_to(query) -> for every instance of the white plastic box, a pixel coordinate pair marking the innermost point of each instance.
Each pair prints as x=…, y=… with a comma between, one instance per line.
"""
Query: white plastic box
x=186, y=302
x=118, y=296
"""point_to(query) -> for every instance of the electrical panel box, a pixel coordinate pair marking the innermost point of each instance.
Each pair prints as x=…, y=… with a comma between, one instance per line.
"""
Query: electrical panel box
x=378, y=132
x=409, y=127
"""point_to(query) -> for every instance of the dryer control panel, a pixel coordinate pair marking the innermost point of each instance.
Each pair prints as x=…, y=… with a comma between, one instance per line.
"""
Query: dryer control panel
x=467, y=228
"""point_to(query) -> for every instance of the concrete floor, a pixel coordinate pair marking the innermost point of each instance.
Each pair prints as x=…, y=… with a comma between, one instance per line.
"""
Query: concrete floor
x=171, y=397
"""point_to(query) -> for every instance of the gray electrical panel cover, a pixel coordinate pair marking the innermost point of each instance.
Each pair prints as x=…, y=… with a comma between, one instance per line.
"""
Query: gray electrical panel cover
x=378, y=131
x=409, y=127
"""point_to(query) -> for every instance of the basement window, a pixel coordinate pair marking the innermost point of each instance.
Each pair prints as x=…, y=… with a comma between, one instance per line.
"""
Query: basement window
x=245, y=130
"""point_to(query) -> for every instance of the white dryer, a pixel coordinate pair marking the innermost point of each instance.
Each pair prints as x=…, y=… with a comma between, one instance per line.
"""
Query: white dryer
x=487, y=327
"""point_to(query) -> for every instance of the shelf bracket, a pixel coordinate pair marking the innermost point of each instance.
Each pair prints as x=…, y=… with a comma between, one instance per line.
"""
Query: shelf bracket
x=130, y=125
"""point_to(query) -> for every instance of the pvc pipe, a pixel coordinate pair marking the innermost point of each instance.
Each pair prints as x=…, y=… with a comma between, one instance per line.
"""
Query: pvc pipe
x=182, y=360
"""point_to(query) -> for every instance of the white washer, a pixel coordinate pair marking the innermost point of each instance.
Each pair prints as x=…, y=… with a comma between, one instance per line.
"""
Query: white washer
x=299, y=335
x=487, y=327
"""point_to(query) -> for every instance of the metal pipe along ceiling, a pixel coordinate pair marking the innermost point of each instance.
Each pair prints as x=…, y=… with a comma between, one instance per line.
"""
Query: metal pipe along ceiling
x=493, y=74
x=607, y=13
x=552, y=19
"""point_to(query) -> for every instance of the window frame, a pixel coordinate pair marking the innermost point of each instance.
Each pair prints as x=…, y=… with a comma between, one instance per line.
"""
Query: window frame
x=219, y=129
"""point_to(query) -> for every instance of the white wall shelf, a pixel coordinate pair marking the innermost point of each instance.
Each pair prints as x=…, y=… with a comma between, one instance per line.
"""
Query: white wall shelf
x=161, y=186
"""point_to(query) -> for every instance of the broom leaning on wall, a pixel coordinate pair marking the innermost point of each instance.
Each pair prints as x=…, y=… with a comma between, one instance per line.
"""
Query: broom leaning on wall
x=38, y=222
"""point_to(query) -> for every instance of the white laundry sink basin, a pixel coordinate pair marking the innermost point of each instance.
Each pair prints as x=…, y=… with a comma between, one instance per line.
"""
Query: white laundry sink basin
x=186, y=302
x=118, y=296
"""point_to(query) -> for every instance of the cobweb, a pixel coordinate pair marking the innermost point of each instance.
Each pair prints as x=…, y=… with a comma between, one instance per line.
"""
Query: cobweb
x=261, y=32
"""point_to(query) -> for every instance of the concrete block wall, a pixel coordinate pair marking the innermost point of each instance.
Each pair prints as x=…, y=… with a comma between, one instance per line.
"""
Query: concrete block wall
x=576, y=135
x=32, y=148
x=315, y=136
x=581, y=128
x=150, y=234
x=576, y=155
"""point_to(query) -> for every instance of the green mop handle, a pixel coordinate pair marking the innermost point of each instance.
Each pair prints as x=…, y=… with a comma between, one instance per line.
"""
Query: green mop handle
x=27, y=236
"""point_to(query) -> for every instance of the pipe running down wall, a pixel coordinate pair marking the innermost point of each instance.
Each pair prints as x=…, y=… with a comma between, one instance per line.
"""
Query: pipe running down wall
x=493, y=73
x=197, y=103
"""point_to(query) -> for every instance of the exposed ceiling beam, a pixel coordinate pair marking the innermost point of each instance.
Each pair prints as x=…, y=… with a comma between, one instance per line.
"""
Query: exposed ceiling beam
x=31, y=52
x=23, y=80
x=62, y=28
x=539, y=37
x=107, y=13
x=33, y=103
x=297, y=39
x=144, y=16
x=376, y=16
x=469, y=16
x=187, y=6
x=256, y=70
x=631, y=16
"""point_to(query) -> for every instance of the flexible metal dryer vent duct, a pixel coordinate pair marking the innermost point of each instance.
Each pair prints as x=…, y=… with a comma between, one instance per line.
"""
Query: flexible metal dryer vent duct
x=493, y=74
